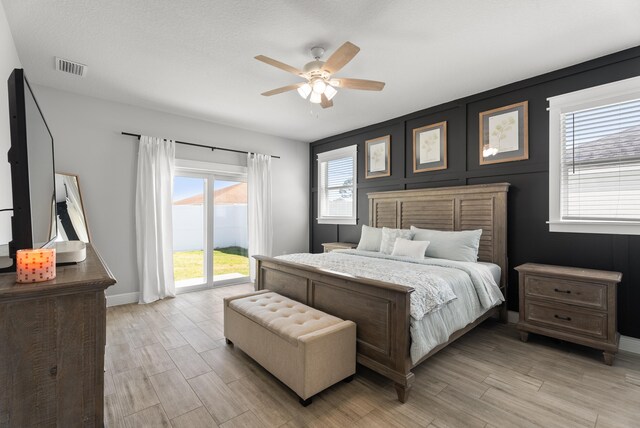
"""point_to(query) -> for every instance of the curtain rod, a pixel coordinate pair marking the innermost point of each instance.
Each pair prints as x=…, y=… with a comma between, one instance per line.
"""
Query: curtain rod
x=199, y=145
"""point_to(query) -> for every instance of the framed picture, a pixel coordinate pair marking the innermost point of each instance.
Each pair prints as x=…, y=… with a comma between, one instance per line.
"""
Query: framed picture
x=430, y=147
x=378, y=157
x=504, y=134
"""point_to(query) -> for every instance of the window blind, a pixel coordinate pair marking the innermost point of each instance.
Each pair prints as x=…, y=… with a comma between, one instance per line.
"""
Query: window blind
x=336, y=181
x=600, y=163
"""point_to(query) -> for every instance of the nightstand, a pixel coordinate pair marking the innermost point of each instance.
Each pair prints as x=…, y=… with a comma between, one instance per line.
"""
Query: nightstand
x=572, y=304
x=330, y=246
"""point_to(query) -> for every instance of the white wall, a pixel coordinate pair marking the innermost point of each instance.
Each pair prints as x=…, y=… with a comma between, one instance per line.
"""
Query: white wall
x=87, y=139
x=229, y=226
x=8, y=61
x=188, y=227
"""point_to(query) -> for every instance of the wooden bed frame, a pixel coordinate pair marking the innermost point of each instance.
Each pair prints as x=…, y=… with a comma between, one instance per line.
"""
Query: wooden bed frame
x=381, y=309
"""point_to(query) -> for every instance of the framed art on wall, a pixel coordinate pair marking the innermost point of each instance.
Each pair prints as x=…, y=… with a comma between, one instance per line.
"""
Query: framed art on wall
x=504, y=134
x=378, y=157
x=430, y=147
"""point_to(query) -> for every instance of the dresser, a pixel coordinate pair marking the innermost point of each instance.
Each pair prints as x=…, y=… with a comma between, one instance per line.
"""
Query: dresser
x=330, y=246
x=52, y=339
x=572, y=304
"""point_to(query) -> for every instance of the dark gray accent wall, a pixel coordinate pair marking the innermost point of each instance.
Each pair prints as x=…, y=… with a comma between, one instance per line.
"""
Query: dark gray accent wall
x=529, y=239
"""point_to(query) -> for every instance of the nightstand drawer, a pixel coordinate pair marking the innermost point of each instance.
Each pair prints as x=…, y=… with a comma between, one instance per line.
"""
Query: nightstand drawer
x=573, y=292
x=565, y=318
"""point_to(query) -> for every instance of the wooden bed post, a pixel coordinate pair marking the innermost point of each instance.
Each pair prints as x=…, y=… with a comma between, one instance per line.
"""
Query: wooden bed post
x=403, y=392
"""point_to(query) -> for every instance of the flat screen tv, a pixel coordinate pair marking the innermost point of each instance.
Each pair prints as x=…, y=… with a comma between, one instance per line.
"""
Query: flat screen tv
x=34, y=221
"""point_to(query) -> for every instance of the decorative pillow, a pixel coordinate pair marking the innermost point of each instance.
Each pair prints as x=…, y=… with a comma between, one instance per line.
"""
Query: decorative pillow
x=407, y=248
x=389, y=238
x=462, y=246
x=370, y=239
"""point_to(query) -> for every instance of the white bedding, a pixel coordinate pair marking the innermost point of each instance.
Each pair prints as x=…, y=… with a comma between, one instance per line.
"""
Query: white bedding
x=495, y=271
x=431, y=285
x=435, y=328
x=435, y=314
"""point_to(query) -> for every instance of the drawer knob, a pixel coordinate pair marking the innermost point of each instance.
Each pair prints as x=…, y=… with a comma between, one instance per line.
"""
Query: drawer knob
x=562, y=318
x=53, y=370
x=557, y=290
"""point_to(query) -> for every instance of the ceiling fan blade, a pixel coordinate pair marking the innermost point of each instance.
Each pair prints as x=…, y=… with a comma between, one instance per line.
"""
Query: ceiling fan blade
x=340, y=57
x=282, y=89
x=365, y=85
x=325, y=102
x=280, y=65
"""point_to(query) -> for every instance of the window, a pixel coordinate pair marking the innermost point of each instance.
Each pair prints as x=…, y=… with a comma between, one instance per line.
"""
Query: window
x=594, y=160
x=337, y=193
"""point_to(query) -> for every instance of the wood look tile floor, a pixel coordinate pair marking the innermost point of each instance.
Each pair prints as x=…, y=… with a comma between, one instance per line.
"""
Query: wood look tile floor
x=167, y=365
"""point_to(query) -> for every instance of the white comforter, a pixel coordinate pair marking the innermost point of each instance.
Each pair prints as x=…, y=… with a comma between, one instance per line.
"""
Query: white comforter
x=448, y=294
x=432, y=279
x=432, y=289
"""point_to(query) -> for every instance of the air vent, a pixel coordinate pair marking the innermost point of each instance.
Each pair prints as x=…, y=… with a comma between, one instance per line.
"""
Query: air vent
x=67, y=66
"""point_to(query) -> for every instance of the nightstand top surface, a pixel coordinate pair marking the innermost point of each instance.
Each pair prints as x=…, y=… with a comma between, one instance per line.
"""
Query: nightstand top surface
x=570, y=272
x=341, y=244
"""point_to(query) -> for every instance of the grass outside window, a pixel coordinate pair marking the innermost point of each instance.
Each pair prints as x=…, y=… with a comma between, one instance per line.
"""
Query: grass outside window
x=190, y=264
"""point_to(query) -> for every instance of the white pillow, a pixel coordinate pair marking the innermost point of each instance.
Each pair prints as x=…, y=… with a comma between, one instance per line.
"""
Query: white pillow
x=389, y=238
x=462, y=246
x=370, y=239
x=407, y=248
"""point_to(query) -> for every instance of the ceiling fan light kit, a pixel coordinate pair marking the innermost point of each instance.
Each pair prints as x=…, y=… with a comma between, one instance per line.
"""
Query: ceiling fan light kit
x=330, y=92
x=304, y=90
x=320, y=87
x=315, y=98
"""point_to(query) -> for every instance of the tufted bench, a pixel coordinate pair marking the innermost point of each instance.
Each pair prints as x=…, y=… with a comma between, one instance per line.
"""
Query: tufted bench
x=306, y=349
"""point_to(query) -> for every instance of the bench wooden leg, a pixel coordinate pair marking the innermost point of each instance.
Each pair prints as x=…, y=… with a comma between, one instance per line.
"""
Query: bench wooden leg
x=402, y=391
x=306, y=402
x=228, y=342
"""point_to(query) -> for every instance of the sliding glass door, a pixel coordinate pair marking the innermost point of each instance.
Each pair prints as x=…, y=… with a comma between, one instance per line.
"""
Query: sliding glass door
x=189, y=230
x=209, y=229
x=230, y=244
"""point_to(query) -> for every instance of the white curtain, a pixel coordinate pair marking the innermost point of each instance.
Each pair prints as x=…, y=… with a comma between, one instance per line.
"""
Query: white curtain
x=156, y=165
x=259, y=207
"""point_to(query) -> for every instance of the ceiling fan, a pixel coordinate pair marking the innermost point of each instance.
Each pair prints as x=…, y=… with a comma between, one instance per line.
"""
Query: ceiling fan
x=320, y=86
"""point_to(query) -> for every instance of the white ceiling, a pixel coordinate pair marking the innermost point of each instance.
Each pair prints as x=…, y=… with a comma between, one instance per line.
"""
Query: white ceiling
x=195, y=57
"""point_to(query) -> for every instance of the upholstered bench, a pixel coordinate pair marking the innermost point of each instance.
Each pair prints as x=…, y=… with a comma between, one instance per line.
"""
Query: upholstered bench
x=305, y=348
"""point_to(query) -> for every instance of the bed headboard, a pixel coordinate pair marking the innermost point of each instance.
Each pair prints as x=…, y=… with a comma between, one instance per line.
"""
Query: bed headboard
x=482, y=206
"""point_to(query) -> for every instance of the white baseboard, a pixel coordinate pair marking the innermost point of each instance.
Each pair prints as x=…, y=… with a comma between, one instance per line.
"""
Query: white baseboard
x=627, y=344
x=122, y=299
x=630, y=344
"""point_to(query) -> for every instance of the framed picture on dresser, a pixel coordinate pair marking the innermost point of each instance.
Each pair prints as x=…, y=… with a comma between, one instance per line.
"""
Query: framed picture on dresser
x=378, y=157
x=430, y=147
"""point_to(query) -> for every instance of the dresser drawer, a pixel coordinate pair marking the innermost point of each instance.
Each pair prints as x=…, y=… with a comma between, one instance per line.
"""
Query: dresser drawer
x=565, y=318
x=578, y=293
